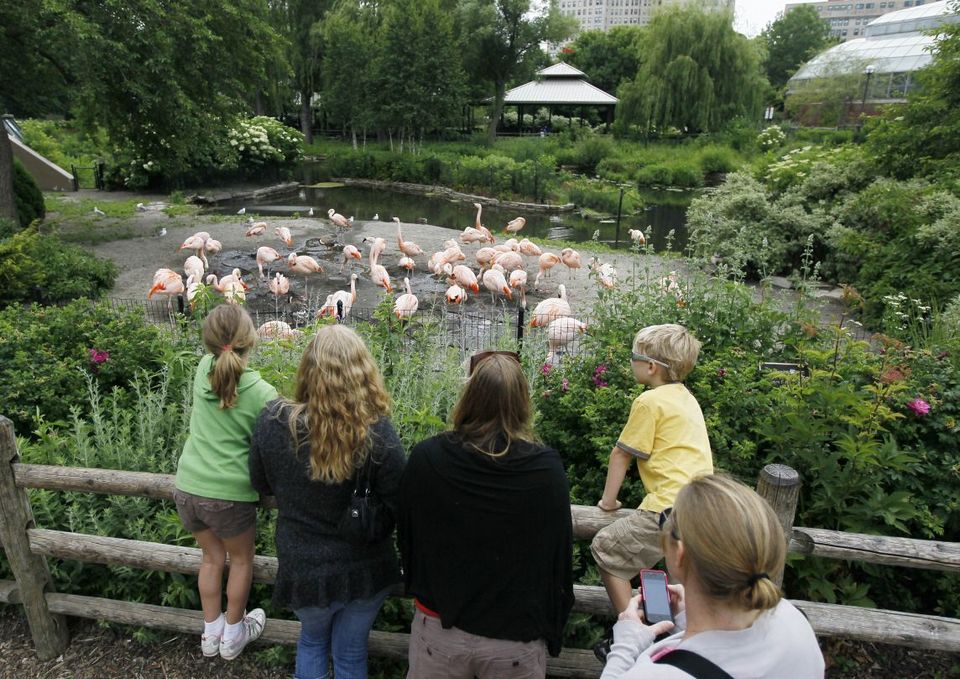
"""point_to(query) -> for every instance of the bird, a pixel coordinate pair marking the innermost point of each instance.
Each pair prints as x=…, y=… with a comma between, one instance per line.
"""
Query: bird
x=560, y=333
x=193, y=287
x=529, y=249
x=496, y=282
x=606, y=274
x=510, y=261
x=310, y=212
x=194, y=267
x=234, y=292
x=256, y=229
x=376, y=217
x=485, y=257
x=340, y=302
x=570, y=258
x=304, y=264
x=472, y=235
x=550, y=309
x=349, y=252
x=166, y=282
x=197, y=242
x=283, y=233
x=480, y=227
x=338, y=219
x=463, y=275
x=377, y=246
x=406, y=304
x=266, y=255
x=518, y=281
x=455, y=294
x=636, y=235
x=452, y=254
x=407, y=247
x=547, y=261
x=98, y=212
x=379, y=276
x=162, y=232
x=515, y=225
x=221, y=284
x=212, y=246
x=407, y=263
x=279, y=284
x=242, y=211
x=141, y=207
x=277, y=330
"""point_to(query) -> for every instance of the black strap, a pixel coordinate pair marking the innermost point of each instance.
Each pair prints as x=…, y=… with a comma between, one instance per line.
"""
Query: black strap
x=693, y=664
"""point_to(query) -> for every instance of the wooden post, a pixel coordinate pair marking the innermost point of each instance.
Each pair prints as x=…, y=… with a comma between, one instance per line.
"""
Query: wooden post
x=33, y=577
x=779, y=485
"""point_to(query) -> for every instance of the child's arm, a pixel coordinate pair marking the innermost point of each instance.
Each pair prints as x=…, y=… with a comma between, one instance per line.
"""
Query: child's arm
x=616, y=471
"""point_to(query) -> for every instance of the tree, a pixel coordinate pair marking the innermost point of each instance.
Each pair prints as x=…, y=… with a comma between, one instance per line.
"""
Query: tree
x=829, y=98
x=696, y=73
x=498, y=35
x=8, y=201
x=791, y=40
x=302, y=27
x=349, y=34
x=609, y=58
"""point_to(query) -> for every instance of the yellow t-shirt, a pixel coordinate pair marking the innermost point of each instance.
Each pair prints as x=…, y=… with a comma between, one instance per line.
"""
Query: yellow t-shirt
x=667, y=435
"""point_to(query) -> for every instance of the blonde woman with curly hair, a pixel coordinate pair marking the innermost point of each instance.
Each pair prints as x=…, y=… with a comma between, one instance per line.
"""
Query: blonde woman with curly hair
x=724, y=546
x=307, y=452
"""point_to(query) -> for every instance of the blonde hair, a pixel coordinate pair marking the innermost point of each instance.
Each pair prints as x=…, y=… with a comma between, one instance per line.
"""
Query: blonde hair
x=339, y=395
x=671, y=343
x=229, y=334
x=732, y=539
x=494, y=408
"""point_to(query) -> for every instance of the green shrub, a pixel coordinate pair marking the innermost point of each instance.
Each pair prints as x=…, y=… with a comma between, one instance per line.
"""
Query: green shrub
x=717, y=160
x=28, y=196
x=42, y=268
x=616, y=169
x=46, y=354
x=590, y=151
x=680, y=173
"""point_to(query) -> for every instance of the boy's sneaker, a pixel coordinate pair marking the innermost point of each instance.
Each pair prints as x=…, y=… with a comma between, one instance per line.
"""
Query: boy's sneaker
x=602, y=649
x=253, y=623
x=210, y=644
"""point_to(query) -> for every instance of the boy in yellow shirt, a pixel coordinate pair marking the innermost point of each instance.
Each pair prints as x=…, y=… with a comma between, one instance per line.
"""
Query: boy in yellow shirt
x=667, y=436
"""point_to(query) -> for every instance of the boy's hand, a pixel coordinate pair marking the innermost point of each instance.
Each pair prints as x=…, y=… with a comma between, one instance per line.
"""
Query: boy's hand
x=607, y=508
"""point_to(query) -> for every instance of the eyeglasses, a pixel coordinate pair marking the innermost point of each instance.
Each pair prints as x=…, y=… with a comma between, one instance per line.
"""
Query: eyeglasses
x=644, y=357
x=481, y=356
x=664, y=515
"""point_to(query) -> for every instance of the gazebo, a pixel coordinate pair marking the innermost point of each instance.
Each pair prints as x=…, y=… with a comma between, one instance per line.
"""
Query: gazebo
x=560, y=85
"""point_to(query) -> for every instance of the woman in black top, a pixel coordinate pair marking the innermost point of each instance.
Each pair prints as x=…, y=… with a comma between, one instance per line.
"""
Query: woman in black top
x=485, y=536
x=307, y=453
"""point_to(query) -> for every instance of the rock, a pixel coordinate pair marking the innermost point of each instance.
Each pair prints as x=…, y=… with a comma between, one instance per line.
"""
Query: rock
x=779, y=282
x=835, y=293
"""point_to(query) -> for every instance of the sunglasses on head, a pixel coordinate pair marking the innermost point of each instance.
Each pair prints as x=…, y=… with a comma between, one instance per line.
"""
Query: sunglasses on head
x=481, y=356
x=664, y=515
x=643, y=357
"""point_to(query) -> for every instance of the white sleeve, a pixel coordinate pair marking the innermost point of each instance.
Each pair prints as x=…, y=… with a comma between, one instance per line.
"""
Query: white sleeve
x=630, y=639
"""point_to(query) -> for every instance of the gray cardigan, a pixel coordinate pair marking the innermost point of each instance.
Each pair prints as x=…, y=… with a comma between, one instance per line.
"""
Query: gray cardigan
x=316, y=565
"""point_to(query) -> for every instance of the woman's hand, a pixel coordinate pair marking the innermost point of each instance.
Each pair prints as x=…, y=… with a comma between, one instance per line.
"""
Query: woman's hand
x=677, y=602
x=634, y=612
x=607, y=507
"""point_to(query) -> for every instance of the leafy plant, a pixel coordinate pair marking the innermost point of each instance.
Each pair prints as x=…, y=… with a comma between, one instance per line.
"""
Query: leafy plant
x=28, y=197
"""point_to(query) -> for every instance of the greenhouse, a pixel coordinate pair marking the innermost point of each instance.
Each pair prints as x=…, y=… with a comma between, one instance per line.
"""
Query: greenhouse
x=894, y=47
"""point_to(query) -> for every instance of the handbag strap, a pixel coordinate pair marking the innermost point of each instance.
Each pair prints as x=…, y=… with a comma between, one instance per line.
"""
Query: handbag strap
x=693, y=664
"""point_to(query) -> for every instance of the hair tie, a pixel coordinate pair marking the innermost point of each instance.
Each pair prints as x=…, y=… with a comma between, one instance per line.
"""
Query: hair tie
x=228, y=347
x=755, y=578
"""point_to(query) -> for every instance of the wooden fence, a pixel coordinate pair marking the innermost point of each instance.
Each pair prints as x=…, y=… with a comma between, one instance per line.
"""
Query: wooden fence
x=27, y=548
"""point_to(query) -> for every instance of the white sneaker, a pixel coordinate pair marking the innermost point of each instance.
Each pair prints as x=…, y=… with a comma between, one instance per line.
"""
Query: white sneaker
x=253, y=623
x=210, y=644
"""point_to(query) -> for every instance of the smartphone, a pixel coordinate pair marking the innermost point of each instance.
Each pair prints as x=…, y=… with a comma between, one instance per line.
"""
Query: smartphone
x=656, y=597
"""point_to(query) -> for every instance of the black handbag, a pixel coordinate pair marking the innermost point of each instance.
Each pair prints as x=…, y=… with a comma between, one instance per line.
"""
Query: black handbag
x=366, y=518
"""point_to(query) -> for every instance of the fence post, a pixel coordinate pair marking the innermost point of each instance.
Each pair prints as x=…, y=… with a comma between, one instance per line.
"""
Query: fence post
x=779, y=485
x=49, y=631
x=520, y=314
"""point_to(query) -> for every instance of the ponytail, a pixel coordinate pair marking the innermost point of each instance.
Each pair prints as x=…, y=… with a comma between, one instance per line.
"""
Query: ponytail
x=228, y=334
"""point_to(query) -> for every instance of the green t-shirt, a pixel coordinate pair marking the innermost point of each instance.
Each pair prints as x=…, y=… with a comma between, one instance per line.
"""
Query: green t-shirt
x=214, y=459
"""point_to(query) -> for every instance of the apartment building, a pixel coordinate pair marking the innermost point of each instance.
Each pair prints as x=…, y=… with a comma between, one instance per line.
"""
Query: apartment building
x=848, y=20
x=601, y=15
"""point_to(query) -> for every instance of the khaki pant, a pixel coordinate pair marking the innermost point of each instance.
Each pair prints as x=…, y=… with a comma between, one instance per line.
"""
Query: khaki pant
x=437, y=653
x=628, y=545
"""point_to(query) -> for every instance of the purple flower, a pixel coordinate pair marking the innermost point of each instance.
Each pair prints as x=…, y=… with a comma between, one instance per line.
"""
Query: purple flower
x=597, y=372
x=919, y=407
x=545, y=370
x=565, y=385
x=722, y=373
x=97, y=357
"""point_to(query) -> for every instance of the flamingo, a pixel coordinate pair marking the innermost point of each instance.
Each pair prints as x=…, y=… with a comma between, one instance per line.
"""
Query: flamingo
x=636, y=235
x=407, y=247
x=339, y=221
x=480, y=227
x=193, y=287
x=378, y=272
x=197, y=242
x=277, y=330
x=213, y=246
x=510, y=261
x=279, y=284
x=551, y=309
x=166, y=282
x=407, y=263
x=349, y=251
x=407, y=303
x=547, y=261
x=464, y=276
x=518, y=281
x=570, y=259
x=266, y=255
x=515, y=225
x=345, y=300
x=283, y=233
x=472, y=235
x=255, y=229
x=485, y=257
x=234, y=292
x=529, y=249
x=194, y=267
x=377, y=247
x=494, y=281
x=304, y=264
x=234, y=276
x=560, y=333
x=456, y=294
x=671, y=283
x=452, y=254
x=606, y=274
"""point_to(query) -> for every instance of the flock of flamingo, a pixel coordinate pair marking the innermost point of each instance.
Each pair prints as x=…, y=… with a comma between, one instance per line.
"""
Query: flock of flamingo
x=501, y=271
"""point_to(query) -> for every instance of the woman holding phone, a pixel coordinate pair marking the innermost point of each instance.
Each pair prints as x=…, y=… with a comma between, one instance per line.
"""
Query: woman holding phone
x=485, y=536
x=723, y=545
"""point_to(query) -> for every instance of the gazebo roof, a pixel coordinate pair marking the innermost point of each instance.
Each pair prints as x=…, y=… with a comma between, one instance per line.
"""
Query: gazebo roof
x=559, y=84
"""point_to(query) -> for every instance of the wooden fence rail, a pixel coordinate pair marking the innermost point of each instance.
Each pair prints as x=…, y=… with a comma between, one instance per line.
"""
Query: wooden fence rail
x=28, y=547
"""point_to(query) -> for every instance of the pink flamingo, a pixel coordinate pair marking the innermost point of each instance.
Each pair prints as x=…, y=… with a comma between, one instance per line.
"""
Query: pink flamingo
x=342, y=298
x=193, y=287
x=472, y=235
x=515, y=225
x=485, y=257
x=480, y=227
x=234, y=292
x=257, y=229
x=570, y=259
x=378, y=272
x=407, y=263
x=266, y=255
x=220, y=285
x=529, y=249
x=283, y=233
x=304, y=264
x=547, y=261
x=349, y=252
x=452, y=254
x=456, y=294
x=197, y=242
x=494, y=281
x=550, y=309
x=407, y=247
x=194, y=267
x=279, y=284
x=606, y=274
x=166, y=282
x=561, y=332
x=213, y=246
x=636, y=235
x=378, y=245
x=277, y=330
x=338, y=219
x=407, y=303
x=518, y=281
x=510, y=261
x=463, y=275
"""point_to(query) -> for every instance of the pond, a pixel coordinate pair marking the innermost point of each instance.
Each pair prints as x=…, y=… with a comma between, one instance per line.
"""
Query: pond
x=665, y=211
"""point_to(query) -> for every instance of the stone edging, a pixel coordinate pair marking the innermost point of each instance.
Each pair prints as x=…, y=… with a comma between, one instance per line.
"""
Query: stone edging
x=421, y=189
x=255, y=194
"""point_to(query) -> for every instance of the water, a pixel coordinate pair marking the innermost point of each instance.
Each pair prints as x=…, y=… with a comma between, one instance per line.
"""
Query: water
x=665, y=211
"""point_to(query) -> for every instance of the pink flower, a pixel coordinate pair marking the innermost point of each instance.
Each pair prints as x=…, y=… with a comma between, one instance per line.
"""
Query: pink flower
x=565, y=385
x=545, y=370
x=97, y=357
x=919, y=407
x=721, y=373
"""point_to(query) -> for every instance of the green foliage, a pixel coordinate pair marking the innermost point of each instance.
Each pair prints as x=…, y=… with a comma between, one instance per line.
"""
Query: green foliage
x=771, y=137
x=264, y=141
x=670, y=173
x=42, y=268
x=28, y=196
x=608, y=58
x=792, y=39
x=717, y=160
x=602, y=198
x=696, y=74
x=62, y=143
x=827, y=100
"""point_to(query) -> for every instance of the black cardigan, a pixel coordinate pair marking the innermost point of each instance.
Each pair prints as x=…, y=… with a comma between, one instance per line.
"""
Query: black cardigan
x=316, y=566
x=487, y=542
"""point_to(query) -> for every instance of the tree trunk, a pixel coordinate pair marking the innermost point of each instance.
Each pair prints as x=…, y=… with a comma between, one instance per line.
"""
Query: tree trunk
x=306, y=116
x=353, y=134
x=258, y=106
x=497, y=110
x=8, y=202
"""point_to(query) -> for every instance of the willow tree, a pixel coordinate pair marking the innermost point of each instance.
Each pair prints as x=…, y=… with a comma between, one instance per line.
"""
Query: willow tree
x=695, y=74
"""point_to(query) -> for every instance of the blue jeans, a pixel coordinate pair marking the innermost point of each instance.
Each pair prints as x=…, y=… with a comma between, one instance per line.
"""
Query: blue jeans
x=342, y=628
